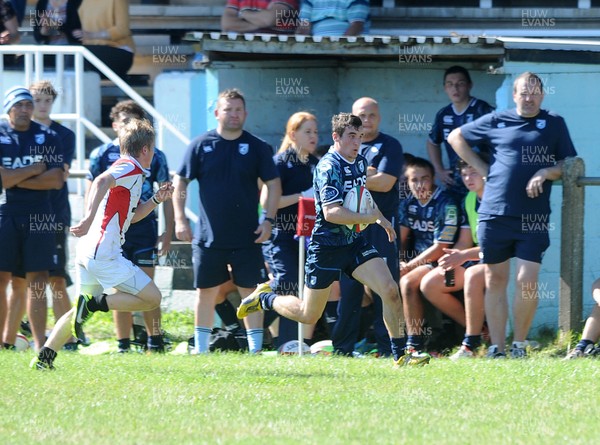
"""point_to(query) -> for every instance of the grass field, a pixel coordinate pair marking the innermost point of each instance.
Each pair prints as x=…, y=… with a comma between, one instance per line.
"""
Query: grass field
x=236, y=398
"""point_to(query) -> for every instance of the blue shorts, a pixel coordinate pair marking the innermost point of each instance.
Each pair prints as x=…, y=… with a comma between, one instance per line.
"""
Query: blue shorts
x=324, y=264
x=210, y=266
x=140, y=243
x=503, y=237
x=62, y=248
x=281, y=254
x=378, y=238
x=26, y=245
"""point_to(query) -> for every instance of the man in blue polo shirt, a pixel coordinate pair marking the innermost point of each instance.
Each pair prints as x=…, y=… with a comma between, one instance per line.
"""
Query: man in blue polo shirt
x=463, y=108
x=25, y=210
x=227, y=162
x=334, y=248
x=384, y=160
x=529, y=146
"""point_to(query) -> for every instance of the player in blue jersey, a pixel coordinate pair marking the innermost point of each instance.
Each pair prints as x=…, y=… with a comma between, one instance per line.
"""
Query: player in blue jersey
x=467, y=271
x=463, y=108
x=227, y=162
x=430, y=216
x=334, y=248
x=25, y=210
x=295, y=163
x=529, y=144
x=142, y=238
x=384, y=159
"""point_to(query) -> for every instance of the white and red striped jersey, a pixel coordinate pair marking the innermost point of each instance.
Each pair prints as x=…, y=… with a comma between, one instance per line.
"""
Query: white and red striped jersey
x=107, y=232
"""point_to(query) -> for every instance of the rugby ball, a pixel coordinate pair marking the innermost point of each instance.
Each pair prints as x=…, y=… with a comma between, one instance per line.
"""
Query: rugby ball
x=291, y=348
x=323, y=347
x=21, y=343
x=359, y=200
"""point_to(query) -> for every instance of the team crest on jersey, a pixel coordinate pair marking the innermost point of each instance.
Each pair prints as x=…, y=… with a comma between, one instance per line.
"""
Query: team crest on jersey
x=313, y=281
x=469, y=118
x=40, y=138
x=540, y=123
x=361, y=167
x=207, y=148
x=448, y=120
x=243, y=148
x=329, y=193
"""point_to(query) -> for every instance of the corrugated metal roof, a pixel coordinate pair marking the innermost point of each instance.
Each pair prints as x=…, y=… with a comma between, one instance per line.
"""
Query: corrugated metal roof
x=367, y=45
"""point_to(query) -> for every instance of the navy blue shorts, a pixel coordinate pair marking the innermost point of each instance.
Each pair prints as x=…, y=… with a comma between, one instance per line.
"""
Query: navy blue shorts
x=62, y=248
x=378, y=238
x=281, y=254
x=210, y=266
x=140, y=243
x=504, y=237
x=26, y=244
x=324, y=264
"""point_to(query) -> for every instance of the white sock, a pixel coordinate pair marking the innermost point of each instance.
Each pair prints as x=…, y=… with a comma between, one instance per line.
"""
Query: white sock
x=255, y=340
x=201, y=339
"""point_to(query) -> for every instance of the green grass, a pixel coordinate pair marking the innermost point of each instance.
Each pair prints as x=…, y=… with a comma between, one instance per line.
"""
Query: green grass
x=235, y=398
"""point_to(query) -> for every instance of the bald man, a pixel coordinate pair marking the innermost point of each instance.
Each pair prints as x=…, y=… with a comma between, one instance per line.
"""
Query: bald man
x=385, y=158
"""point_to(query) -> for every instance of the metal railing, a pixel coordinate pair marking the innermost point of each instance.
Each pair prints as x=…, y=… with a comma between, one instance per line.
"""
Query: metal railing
x=34, y=70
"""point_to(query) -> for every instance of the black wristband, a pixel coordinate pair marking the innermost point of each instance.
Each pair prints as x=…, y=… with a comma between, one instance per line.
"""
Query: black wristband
x=271, y=220
x=155, y=200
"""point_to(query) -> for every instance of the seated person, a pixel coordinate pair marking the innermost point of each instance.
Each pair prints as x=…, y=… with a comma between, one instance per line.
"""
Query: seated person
x=260, y=16
x=463, y=262
x=55, y=22
x=9, y=27
x=591, y=330
x=430, y=215
x=105, y=32
x=334, y=17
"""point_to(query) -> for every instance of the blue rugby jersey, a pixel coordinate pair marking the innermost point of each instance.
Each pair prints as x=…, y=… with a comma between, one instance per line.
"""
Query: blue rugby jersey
x=385, y=154
x=522, y=146
x=447, y=119
x=436, y=221
x=227, y=173
x=60, y=198
x=334, y=177
x=22, y=148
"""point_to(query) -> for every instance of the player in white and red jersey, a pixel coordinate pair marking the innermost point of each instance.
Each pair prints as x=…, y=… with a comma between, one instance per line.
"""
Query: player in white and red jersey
x=113, y=204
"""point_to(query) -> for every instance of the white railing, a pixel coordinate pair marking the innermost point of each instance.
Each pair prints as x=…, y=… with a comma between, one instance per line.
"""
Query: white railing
x=34, y=71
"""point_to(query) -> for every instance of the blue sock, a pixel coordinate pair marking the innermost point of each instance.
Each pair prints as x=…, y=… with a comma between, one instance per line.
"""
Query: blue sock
x=415, y=341
x=472, y=341
x=398, y=345
x=255, y=340
x=583, y=343
x=266, y=300
x=201, y=339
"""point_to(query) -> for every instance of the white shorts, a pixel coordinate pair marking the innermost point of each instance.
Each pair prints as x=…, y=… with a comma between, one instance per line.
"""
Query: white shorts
x=119, y=273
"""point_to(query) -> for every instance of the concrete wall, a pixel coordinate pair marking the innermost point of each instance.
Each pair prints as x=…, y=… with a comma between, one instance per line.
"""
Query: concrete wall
x=409, y=96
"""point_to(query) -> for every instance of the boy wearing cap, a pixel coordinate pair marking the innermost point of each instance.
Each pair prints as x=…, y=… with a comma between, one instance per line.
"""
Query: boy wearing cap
x=25, y=210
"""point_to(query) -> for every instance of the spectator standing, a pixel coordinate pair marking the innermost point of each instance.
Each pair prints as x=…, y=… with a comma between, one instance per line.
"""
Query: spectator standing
x=529, y=145
x=463, y=108
x=26, y=213
x=227, y=162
